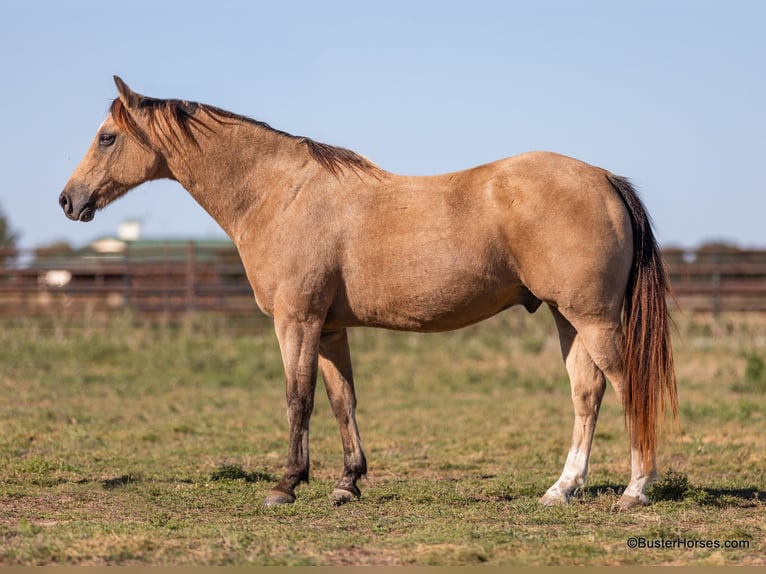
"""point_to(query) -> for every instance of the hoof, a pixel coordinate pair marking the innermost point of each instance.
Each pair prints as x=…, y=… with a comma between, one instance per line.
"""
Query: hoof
x=628, y=502
x=278, y=498
x=341, y=496
x=554, y=499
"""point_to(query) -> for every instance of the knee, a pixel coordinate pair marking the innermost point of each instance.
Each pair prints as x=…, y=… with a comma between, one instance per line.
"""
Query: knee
x=299, y=407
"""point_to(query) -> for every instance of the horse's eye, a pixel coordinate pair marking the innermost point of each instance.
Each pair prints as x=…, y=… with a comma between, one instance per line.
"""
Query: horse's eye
x=106, y=139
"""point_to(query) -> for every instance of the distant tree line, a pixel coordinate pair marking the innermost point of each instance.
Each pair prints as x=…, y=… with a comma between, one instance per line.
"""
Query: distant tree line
x=8, y=238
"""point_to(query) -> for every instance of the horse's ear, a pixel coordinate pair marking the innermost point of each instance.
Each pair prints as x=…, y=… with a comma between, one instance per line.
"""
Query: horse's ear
x=129, y=98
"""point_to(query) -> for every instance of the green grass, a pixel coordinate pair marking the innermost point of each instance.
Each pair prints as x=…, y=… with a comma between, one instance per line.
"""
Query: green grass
x=129, y=443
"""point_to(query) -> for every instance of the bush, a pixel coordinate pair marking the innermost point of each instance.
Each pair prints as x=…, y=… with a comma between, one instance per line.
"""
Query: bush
x=754, y=379
x=673, y=486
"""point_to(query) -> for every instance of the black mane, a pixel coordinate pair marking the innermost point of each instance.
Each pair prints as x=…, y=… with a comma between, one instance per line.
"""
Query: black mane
x=182, y=118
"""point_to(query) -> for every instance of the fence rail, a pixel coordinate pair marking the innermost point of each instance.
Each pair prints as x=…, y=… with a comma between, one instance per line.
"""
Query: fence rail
x=174, y=280
x=169, y=280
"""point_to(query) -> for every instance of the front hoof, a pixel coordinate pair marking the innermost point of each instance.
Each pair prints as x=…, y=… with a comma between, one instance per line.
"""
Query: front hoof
x=341, y=496
x=278, y=498
x=554, y=499
x=628, y=502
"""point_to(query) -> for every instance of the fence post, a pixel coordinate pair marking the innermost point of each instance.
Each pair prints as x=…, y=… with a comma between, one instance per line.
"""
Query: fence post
x=128, y=298
x=190, y=275
x=715, y=280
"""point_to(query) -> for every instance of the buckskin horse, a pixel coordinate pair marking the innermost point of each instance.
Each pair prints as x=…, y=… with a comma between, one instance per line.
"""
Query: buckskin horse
x=330, y=241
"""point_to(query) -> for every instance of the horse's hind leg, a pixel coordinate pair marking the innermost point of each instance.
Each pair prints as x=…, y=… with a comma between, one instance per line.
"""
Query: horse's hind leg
x=335, y=365
x=588, y=386
x=603, y=339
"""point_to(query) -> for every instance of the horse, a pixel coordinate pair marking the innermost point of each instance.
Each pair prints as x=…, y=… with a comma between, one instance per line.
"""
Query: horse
x=331, y=241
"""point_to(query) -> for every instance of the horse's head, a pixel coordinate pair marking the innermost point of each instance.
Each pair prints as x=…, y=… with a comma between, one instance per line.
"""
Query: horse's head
x=120, y=158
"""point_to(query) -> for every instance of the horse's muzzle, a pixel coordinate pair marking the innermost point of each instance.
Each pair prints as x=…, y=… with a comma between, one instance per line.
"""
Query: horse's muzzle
x=78, y=211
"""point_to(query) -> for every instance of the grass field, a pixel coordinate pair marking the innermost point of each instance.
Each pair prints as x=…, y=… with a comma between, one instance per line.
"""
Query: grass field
x=136, y=444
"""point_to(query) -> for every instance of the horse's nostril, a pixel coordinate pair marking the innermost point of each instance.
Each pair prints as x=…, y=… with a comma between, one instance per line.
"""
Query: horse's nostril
x=64, y=203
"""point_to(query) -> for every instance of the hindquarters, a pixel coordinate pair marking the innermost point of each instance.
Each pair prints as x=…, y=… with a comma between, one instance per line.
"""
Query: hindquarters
x=589, y=251
x=569, y=234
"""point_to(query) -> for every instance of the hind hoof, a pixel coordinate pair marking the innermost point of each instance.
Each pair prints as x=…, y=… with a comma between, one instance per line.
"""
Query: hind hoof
x=628, y=502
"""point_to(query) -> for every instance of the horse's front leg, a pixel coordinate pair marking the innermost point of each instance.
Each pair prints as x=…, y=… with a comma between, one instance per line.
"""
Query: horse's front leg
x=299, y=344
x=335, y=364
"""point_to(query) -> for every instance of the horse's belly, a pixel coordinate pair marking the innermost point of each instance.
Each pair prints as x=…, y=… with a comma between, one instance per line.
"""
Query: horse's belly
x=430, y=308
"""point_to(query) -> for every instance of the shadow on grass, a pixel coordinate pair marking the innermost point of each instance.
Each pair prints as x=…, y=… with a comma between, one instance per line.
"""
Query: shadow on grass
x=677, y=488
x=129, y=479
x=120, y=481
x=236, y=472
x=722, y=497
x=224, y=472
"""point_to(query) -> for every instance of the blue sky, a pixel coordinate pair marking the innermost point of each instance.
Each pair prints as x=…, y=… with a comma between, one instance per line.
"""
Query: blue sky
x=670, y=93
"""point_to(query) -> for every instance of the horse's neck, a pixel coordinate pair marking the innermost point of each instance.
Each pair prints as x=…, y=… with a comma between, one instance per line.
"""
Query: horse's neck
x=235, y=168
